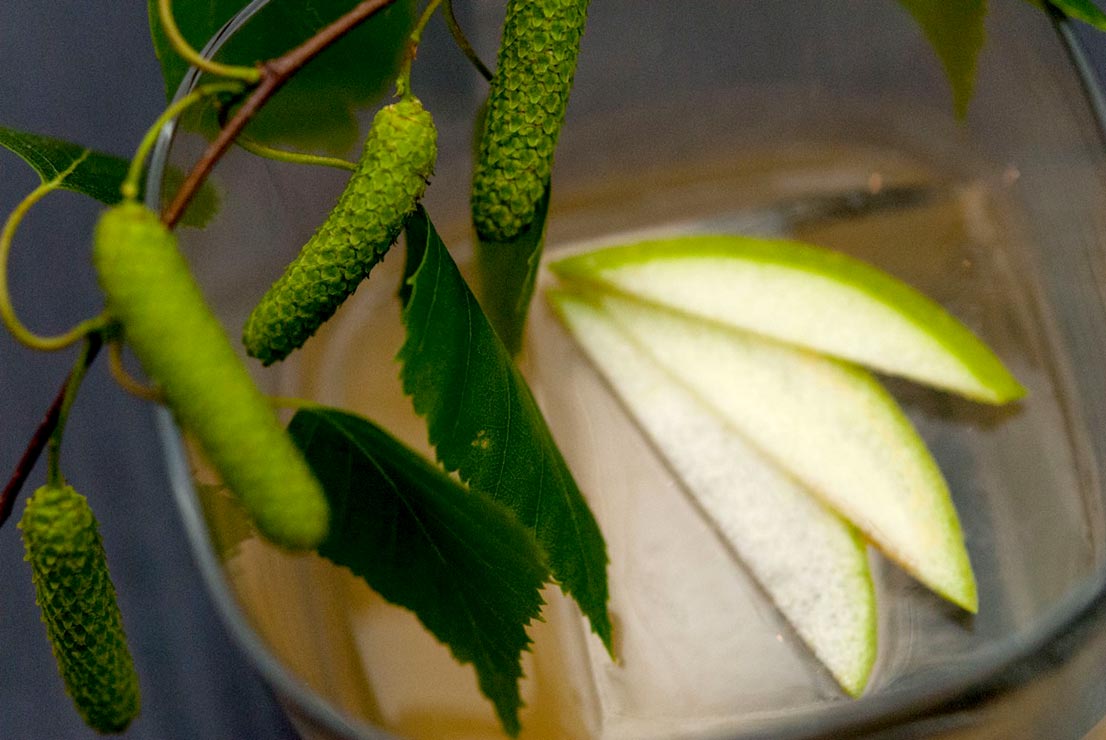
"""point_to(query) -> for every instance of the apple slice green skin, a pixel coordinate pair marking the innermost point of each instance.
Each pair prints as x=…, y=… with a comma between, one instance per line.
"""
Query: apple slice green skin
x=829, y=424
x=805, y=295
x=810, y=562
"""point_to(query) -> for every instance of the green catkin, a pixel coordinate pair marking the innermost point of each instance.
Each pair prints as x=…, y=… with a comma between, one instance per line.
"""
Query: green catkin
x=77, y=599
x=186, y=353
x=526, y=108
x=391, y=177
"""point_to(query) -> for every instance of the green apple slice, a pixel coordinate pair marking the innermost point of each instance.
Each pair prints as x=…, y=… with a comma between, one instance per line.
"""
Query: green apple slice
x=810, y=562
x=809, y=296
x=829, y=424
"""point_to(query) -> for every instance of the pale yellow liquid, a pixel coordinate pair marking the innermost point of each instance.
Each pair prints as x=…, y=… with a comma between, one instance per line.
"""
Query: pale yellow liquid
x=701, y=648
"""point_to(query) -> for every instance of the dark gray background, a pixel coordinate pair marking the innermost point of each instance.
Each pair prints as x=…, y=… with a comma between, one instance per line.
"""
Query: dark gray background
x=86, y=72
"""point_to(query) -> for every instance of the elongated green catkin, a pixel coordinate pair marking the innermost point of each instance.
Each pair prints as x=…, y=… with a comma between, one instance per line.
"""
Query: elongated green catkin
x=77, y=599
x=526, y=108
x=184, y=350
x=391, y=177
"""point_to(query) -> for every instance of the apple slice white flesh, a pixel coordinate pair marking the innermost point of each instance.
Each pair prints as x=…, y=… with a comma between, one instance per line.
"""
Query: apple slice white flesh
x=805, y=295
x=829, y=424
x=810, y=562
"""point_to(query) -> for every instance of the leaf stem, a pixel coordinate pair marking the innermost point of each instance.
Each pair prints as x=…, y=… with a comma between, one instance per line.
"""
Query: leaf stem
x=403, y=79
x=282, y=155
x=295, y=404
x=39, y=439
x=462, y=42
x=130, y=187
x=128, y=382
x=68, y=396
x=253, y=146
x=7, y=312
x=273, y=76
x=250, y=75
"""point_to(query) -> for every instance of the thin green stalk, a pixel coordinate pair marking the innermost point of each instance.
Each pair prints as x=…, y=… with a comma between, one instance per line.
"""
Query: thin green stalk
x=130, y=185
x=462, y=42
x=403, y=80
x=38, y=441
x=72, y=385
x=125, y=380
x=281, y=155
x=7, y=312
x=290, y=402
x=251, y=75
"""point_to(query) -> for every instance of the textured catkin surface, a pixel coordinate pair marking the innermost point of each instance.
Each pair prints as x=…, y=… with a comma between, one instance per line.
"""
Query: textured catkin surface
x=184, y=350
x=526, y=109
x=391, y=177
x=77, y=599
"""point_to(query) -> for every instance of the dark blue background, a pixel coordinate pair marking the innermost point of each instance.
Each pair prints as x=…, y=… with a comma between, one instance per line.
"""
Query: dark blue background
x=86, y=72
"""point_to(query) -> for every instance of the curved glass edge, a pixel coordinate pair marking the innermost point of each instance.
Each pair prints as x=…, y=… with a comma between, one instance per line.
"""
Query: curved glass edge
x=313, y=707
x=268, y=665
x=1088, y=79
x=1005, y=666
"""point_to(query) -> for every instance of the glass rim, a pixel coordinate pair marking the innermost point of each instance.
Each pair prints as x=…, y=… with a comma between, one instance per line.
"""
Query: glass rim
x=998, y=668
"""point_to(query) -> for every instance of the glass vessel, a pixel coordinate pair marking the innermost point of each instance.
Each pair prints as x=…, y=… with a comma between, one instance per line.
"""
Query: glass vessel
x=824, y=121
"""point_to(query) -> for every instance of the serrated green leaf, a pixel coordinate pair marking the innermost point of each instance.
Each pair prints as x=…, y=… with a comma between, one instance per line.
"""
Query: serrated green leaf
x=956, y=30
x=508, y=271
x=205, y=203
x=97, y=175
x=485, y=424
x=198, y=21
x=316, y=109
x=460, y=561
x=1080, y=10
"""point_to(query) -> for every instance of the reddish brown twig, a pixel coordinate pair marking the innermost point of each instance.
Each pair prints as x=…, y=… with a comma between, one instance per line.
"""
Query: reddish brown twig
x=40, y=439
x=274, y=74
